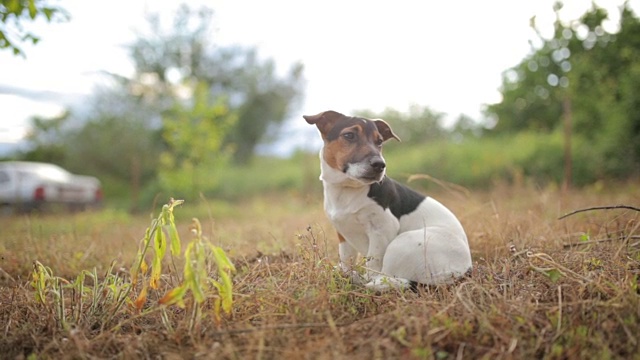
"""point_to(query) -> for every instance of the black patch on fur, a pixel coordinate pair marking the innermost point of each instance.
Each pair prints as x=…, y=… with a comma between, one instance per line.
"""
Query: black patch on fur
x=400, y=199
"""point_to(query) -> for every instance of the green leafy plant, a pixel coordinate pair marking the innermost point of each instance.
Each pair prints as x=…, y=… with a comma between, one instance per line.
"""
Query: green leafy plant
x=196, y=278
x=16, y=13
x=93, y=300
x=81, y=301
x=199, y=257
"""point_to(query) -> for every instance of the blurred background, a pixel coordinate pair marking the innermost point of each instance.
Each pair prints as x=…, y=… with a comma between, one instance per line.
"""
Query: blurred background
x=160, y=98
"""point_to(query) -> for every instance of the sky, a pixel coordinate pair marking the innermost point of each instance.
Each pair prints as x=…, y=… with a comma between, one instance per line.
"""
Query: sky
x=447, y=55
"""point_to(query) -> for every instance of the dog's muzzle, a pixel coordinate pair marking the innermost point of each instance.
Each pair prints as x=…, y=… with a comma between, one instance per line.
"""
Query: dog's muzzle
x=369, y=170
x=377, y=164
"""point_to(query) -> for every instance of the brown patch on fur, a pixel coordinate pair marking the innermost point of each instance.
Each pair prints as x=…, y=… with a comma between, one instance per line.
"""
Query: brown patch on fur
x=324, y=120
x=385, y=130
x=334, y=152
x=340, y=152
x=366, y=145
x=341, y=238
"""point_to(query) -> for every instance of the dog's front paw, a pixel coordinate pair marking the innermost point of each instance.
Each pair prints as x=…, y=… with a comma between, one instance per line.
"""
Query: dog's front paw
x=355, y=277
x=343, y=267
x=385, y=283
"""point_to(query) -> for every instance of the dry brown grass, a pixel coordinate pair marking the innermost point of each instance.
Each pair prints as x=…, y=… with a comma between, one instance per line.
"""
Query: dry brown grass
x=541, y=287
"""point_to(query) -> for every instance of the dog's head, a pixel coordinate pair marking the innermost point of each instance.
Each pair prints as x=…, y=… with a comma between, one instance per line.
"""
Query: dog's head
x=353, y=145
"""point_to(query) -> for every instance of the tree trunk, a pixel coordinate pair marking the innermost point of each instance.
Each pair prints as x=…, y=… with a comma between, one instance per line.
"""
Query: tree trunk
x=136, y=174
x=567, y=115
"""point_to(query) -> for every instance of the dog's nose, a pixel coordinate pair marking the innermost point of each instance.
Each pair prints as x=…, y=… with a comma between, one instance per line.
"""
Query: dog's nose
x=378, y=164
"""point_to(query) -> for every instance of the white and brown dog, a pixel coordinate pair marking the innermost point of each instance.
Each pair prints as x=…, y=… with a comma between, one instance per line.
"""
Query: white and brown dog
x=406, y=238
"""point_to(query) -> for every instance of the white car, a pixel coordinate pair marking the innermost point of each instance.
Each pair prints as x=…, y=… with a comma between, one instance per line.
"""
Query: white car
x=32, y=185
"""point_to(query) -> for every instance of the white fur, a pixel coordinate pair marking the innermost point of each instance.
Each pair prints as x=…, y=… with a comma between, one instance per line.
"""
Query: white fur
x=359, y=170
x=428, y=246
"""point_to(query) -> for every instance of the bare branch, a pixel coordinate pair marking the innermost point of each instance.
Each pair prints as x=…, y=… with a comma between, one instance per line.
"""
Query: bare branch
x=628, y=207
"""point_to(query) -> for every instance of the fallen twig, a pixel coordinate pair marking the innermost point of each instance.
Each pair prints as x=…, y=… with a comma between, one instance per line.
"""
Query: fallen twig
x=628, y=207
x=589, y=242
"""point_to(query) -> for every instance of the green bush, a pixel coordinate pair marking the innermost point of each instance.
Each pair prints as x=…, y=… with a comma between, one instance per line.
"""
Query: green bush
x=473, y=162
x=481, y=162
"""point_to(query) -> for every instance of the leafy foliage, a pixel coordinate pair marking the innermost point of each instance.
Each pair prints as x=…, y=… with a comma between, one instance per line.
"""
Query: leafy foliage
x=44, y=137
x=188, y=109
x=194, y=134
x=13, y=15
x=115, y=137
x=171, y=64
x=419, y=124
x=199, y=256
x=77, y=303
x=593, y=70
x=107, y=301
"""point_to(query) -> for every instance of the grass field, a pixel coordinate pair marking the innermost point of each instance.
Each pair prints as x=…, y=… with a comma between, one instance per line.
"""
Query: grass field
x=541, y=287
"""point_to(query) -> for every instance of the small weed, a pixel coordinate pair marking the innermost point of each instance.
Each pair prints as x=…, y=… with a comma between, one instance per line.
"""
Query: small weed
x=96, y=302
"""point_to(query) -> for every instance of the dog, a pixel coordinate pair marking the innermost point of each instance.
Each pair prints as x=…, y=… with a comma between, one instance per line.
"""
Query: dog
x=405, y=237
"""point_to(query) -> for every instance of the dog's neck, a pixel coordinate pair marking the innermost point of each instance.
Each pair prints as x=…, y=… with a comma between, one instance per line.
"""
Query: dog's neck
x=341, y=192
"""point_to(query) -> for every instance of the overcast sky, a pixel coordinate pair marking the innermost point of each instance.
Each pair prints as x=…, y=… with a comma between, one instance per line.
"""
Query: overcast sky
x=448, y=55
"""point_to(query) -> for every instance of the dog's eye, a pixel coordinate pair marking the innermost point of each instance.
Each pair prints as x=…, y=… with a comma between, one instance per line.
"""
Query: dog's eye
x=379, y=142
x=349, y=136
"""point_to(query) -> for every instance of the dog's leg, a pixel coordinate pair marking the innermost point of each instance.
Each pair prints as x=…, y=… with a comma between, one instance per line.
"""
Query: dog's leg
x=376, y=279
x=379, y=280
x=375, y=256
x=433, y=255
x=381, y=229
x=348, y=254
x=348, y=257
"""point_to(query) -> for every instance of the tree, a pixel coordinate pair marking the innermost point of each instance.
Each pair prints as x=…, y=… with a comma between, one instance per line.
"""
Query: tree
x=609, y=115
x=169, y=127
x=194, y=133
x=170, y=65
x=465, y=127
x=13, y=15
x=117, y=137
x=44, y=139
x=589, y=72
x=418, y=125
x=267, y=100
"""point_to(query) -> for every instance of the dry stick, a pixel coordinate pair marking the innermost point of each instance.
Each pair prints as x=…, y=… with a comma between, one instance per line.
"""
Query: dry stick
x=597, y=241
x=559, y=327
x=628, y=207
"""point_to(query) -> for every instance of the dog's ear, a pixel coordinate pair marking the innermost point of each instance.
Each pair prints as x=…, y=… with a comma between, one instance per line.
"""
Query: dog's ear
x=324, y=121
x=385, y=130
